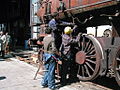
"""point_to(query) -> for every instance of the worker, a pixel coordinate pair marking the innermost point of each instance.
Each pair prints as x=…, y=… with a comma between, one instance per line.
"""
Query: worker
x=68, y=54
x=39, y=42
x=8, y=43
x=50, y=58
x=3, y=38
x=55, y=24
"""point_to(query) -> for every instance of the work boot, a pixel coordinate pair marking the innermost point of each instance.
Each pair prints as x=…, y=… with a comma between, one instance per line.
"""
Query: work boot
x=44, y=86
x=54, y=89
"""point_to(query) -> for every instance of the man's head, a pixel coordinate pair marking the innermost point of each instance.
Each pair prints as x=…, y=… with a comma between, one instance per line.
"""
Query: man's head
x=68, y=30
x=1, y=32
x=55, y=15
x=48, y=30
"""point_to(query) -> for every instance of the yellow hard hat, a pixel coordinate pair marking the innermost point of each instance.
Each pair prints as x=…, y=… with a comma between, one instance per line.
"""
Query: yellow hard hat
x=68, y=30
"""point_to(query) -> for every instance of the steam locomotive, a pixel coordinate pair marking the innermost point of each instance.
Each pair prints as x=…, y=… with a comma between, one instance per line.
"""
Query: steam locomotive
x=96, y=54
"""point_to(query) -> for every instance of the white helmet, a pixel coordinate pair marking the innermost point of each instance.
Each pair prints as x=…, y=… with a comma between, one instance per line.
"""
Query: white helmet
x=68, y=30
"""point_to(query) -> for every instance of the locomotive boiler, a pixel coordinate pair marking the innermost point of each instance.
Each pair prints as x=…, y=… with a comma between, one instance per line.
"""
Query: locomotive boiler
x=96, y=55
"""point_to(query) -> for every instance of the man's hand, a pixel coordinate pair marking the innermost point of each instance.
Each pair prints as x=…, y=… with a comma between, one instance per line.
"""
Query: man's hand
x=43, y=62
x=60, y=62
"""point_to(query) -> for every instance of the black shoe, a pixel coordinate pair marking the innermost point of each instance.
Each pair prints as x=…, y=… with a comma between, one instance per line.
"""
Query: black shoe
x=63, y=84
x=54, y=88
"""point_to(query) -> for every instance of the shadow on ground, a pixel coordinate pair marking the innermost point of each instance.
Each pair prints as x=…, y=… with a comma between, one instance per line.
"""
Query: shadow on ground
x=2, y=77
x=7, y=56
x=107, y=82
x=1, y=59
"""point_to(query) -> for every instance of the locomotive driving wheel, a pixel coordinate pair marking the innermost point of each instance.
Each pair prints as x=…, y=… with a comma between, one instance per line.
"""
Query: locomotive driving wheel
x=117, y=67
x=88, y=58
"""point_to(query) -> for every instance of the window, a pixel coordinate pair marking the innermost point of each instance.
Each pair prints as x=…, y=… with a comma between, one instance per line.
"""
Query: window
x=101, y=31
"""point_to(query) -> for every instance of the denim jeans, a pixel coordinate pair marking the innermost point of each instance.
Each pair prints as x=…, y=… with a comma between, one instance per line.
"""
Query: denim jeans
x=49, y=76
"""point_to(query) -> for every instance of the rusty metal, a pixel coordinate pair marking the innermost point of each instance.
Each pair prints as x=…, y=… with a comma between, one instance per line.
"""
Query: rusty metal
x=73, y=6
x=80, y=57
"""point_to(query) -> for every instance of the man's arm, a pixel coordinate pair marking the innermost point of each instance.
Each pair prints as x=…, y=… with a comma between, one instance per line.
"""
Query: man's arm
x=76, y=40
x=63, y=23
x=52, y=25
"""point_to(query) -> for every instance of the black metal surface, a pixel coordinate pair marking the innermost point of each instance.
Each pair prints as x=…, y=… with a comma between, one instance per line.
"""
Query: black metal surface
x=13, y=9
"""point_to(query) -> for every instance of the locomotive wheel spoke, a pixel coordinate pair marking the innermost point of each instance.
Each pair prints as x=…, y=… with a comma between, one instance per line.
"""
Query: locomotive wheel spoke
x=83, y=44
x=91, y=61
x=91, y=56
x=87, y=71
x=79, y=45
x=118, y=59
x=90, y=66
x=91, y=51
x=78, y=69
x=83, y=71
x=87, y=45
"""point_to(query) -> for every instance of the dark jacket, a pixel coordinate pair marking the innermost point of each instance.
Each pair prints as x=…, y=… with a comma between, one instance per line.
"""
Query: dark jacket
x=67, y=41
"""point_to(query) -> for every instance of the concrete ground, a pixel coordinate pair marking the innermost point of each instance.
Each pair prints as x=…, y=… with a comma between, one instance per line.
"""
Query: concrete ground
x=18, y=75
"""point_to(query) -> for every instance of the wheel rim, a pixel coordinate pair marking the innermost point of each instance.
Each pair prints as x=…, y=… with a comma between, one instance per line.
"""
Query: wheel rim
x=117, y=67
x=88, y=58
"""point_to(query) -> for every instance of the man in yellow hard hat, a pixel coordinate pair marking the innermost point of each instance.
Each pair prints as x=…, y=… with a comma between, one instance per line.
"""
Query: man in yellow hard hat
x=68, y=30
x=67, y=52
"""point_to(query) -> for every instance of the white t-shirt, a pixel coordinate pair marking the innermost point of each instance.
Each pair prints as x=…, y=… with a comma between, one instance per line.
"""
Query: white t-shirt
x=3, y=38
